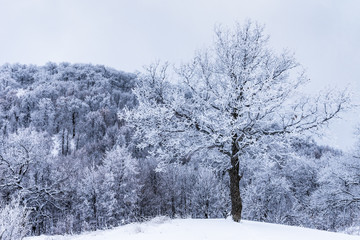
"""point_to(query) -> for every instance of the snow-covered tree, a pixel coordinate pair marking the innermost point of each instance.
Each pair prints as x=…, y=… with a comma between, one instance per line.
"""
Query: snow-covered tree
x=14, y=223
x=95, y=207
x=269, y=194
x=123, y=171
x=230, y=101
x=28, y=171
x=336, y=202
x=43, y=118
x=208, y=200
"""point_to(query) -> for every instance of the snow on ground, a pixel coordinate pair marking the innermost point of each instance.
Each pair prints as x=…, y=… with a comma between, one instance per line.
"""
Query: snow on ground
x=162, y=228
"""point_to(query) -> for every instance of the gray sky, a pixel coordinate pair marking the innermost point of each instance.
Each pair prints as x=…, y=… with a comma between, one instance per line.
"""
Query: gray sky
x=324, y=34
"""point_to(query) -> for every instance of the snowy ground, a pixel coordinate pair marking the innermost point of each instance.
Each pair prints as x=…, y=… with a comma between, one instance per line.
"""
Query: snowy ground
x=199, y=229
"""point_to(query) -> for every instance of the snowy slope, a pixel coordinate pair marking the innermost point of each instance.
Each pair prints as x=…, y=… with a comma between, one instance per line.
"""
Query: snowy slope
x=200, y=229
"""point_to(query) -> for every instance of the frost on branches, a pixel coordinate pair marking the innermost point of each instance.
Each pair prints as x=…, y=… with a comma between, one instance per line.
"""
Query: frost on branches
x=230, y=99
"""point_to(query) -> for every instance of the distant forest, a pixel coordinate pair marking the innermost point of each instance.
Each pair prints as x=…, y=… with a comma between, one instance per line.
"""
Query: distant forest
x=70, y=162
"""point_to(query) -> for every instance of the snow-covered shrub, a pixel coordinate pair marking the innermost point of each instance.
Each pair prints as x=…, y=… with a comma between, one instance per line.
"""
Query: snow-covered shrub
x=13, y=221
x=353, y=230
x=208, y=200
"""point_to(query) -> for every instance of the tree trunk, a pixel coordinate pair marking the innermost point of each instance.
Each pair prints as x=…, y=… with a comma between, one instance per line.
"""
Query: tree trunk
x=63, y=143
x=236, y=201
x=73, y=124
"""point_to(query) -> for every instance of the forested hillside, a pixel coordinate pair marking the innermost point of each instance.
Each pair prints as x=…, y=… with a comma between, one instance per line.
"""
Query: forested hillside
x=57, y=122
x=77, y=103
x=69, y=162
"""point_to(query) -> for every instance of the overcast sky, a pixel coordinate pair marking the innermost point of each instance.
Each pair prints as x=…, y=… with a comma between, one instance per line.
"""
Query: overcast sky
x=324, y=34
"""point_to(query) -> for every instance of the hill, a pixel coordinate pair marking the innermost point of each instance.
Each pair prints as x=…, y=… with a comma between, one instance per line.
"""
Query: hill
x=209, y=229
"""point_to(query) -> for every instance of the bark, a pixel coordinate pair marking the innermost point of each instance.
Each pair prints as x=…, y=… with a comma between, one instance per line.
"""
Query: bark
x=236, y=201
